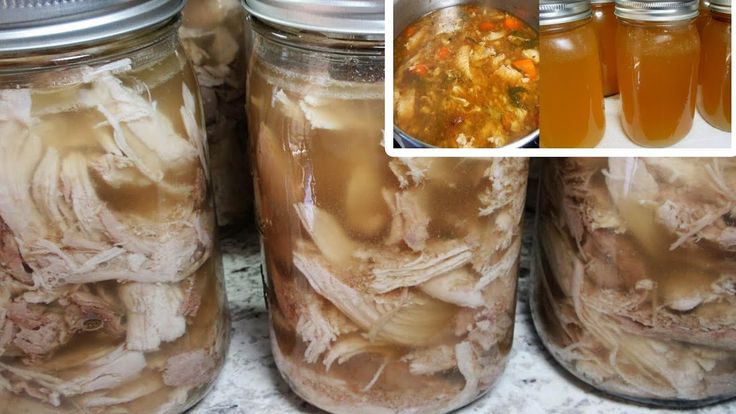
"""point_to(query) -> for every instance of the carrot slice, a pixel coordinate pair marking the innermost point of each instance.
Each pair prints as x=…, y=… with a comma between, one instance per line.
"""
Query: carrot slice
x=487, y=26
x=443, y=53
x=419, y=69
x=409, y=31
x=527, y=67
x=512, y=23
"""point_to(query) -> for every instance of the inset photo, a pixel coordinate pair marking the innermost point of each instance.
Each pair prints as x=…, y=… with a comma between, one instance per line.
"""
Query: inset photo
x=635, y=74
x=466, y=74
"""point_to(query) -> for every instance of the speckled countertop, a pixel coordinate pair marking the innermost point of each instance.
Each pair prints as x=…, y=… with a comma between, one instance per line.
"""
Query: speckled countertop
x=250, y=383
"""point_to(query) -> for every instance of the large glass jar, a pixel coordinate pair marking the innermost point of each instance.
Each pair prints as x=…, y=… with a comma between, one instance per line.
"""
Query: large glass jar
x=658, y=54
x=714, y=88
x=635, y=290
x=571, y=91
x=111, y=294
x=604, y=23
x=390, y=282
x=212, y=33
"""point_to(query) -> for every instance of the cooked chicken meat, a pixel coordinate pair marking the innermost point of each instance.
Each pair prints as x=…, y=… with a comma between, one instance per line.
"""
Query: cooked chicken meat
x=391, y=282
x=636, y=292
x=109, y=296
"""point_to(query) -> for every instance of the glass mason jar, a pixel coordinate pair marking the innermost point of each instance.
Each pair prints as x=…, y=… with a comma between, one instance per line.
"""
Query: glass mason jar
x=212, y=33
x=635, y=289
x=703, y=14
x=390, y=282
x=111, y=292
x=571, y=90
x=658, y=52
x=604, y=23
x=714, y=88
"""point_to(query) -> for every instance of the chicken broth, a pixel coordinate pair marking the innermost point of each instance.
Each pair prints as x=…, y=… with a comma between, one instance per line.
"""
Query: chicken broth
x=714, y=93
x=658, y=75
x=467, y=76
x=571, y=89
x=636, y=292
x=604, y=23
x=391, y=282
x=110, y=297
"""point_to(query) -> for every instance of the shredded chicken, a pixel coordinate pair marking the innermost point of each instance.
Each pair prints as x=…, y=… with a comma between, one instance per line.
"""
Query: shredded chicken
x=636, y=248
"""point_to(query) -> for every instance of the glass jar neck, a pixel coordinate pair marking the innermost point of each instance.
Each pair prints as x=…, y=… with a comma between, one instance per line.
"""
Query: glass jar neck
x=563, y=27
x=316, y=42
x=722, y=17
x=658, y=24
x=140, y=47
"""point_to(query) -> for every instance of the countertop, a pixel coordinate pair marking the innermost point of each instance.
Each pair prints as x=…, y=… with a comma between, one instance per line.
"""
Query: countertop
x=250, y=383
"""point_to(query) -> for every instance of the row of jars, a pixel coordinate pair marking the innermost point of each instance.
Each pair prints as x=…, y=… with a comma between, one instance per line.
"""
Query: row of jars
x=391, y=282
x=649, y=52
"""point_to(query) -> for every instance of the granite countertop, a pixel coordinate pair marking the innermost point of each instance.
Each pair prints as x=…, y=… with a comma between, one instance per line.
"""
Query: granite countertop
x=250, y=383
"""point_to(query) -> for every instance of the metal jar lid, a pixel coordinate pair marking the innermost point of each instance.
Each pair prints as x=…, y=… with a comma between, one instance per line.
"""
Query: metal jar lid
x=563, y=11
x=335, y=18
x=657, y=10
x=602, y=1
x=27, y=25
x=720, y=6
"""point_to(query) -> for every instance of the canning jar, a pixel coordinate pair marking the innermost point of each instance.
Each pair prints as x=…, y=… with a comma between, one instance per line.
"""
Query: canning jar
x=390, y=282
x=571, y=94
x=111, y=297
x=703, y=15
x=714, y=88
x=635, y=289
x=212, y=33
x=658, y=54
x=604, y=23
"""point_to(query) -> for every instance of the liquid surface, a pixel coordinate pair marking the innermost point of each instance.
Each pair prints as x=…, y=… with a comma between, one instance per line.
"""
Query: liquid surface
x=110, y=299
x=657, y=74
x=467, y=76
x=376, y=286
x=714, y=88
x=571, y=88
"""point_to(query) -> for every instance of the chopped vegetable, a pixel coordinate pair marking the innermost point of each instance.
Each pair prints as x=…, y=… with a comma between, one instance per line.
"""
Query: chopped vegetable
x=443, y=53
x=516, y=95
x=527, y=67
x=488, y=26
x=419, y=69
x=512, y=23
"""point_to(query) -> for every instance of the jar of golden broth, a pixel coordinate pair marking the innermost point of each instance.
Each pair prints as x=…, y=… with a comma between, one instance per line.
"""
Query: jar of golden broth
x=390, y=282
x=571, y=94
x=635, y=285
x=714, y=88
x=111, y=297
x=212, y=33
x=658, y=54
x=604, y=23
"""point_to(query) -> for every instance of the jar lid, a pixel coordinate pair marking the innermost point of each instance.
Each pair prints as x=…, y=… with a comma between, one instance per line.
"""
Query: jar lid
x=657, y=10
x=563, y=11
x=720, y=6
x=334, y=18
x=601, y=1
x=27, y=25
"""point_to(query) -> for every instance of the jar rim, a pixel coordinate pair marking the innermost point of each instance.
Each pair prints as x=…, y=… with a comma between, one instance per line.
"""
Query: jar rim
x=657, y=10
x=39, y=25
x=346, y=19
x=553, y=12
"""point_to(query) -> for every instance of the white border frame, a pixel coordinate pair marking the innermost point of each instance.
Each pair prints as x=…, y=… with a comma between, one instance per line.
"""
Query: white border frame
x=388, y=130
